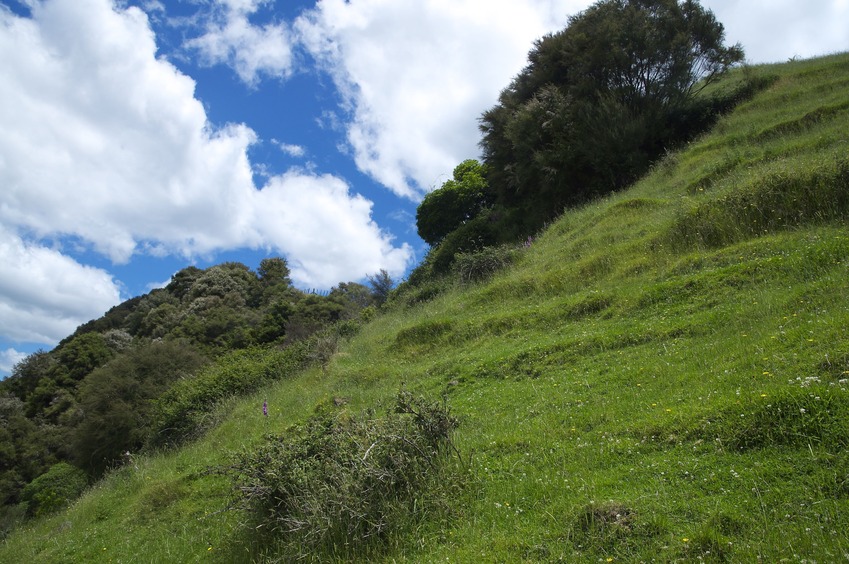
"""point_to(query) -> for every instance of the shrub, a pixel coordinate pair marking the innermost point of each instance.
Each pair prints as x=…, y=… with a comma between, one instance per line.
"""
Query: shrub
x=53, y=490
x=341, y=485
x=115, y=401
x=183, y=411
x=480, y=265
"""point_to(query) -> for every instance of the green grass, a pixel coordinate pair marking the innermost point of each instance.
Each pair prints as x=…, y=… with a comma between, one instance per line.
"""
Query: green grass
x=662, y=376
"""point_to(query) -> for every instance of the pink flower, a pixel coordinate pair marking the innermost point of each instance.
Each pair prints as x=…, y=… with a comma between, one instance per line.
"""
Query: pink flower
x=265, y=408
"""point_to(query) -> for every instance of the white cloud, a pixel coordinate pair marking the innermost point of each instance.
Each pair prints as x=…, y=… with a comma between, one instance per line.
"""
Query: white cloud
x=416, y=75
x=102, y=141
x=298, y=211
x=45, y=295
x=776, y=30
x=295, y=151
x=231, y=39
x=8, y=359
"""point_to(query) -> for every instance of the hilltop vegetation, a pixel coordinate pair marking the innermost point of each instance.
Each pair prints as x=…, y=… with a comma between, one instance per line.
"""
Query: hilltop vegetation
x=133, y=378
x=661, y=373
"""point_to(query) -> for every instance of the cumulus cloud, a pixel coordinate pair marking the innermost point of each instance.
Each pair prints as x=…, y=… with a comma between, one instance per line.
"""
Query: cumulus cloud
x=230, y=38
x=416, y=75
x=45, y=295
x=298, y=210
x=102, y=141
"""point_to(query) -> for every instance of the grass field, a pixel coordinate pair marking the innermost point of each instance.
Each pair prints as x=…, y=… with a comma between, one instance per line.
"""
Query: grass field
x=662, y=376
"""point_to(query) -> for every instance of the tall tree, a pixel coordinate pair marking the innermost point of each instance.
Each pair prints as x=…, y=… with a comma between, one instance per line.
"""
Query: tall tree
x=599, y=101
x=381, y=284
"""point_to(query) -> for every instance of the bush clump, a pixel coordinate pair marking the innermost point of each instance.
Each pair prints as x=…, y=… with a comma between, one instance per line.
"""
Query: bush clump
x=481, y=265
x=342, y=485
x=54, y=489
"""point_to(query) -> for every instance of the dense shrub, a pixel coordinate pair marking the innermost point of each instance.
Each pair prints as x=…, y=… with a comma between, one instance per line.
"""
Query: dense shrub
x=341, y=485
x=53, y=490
x=599, y=101
x=115, y=400
x=181, y=413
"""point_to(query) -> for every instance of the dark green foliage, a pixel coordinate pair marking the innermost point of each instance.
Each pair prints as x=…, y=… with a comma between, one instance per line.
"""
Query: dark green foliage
x=354, y=297
x=599, y=101
x=312, y=314
x=82, y=354
x=273, y=324
x=339, y=486
x=53, y=490
x=456, y=202
x=27, y=374
x=381, y=284
x=473, y=236
x=274, y=271
x=115, y=401
x=27, y=448
x=107, y=387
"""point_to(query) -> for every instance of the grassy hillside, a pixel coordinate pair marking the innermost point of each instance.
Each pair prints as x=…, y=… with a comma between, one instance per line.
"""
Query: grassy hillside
x=663, y=376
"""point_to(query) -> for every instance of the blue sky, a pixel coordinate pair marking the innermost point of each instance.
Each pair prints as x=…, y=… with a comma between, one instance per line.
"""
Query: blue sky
x=139, y=137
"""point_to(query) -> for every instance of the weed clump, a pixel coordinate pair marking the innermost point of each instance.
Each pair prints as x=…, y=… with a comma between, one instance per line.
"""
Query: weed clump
x=342, y=485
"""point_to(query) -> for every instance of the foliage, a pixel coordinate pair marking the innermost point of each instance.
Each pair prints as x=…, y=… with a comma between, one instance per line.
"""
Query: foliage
x=27, y=448
x=54, y=489
x=341, y=484
x=381, y=284
x=115, y=401
x=82, y=354
x=599, y=101
x=457, y=201
x=471, y=237
x=183, y=412
x=90, y=400
x=274, y=271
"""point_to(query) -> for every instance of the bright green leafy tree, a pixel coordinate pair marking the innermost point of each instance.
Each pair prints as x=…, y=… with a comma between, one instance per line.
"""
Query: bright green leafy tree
x=456, y=202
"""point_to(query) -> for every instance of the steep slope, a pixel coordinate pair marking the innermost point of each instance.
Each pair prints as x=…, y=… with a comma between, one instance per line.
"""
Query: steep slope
x=663, y=375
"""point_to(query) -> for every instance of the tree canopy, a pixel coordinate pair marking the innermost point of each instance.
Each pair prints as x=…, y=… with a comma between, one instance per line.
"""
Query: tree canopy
x=599, y=101
x=458, y=200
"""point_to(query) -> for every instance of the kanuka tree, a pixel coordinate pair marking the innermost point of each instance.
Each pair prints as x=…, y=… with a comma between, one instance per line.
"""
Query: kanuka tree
x=600, y=100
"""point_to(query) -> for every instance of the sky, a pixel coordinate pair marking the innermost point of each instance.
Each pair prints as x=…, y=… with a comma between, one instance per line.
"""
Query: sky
x=139, y=137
